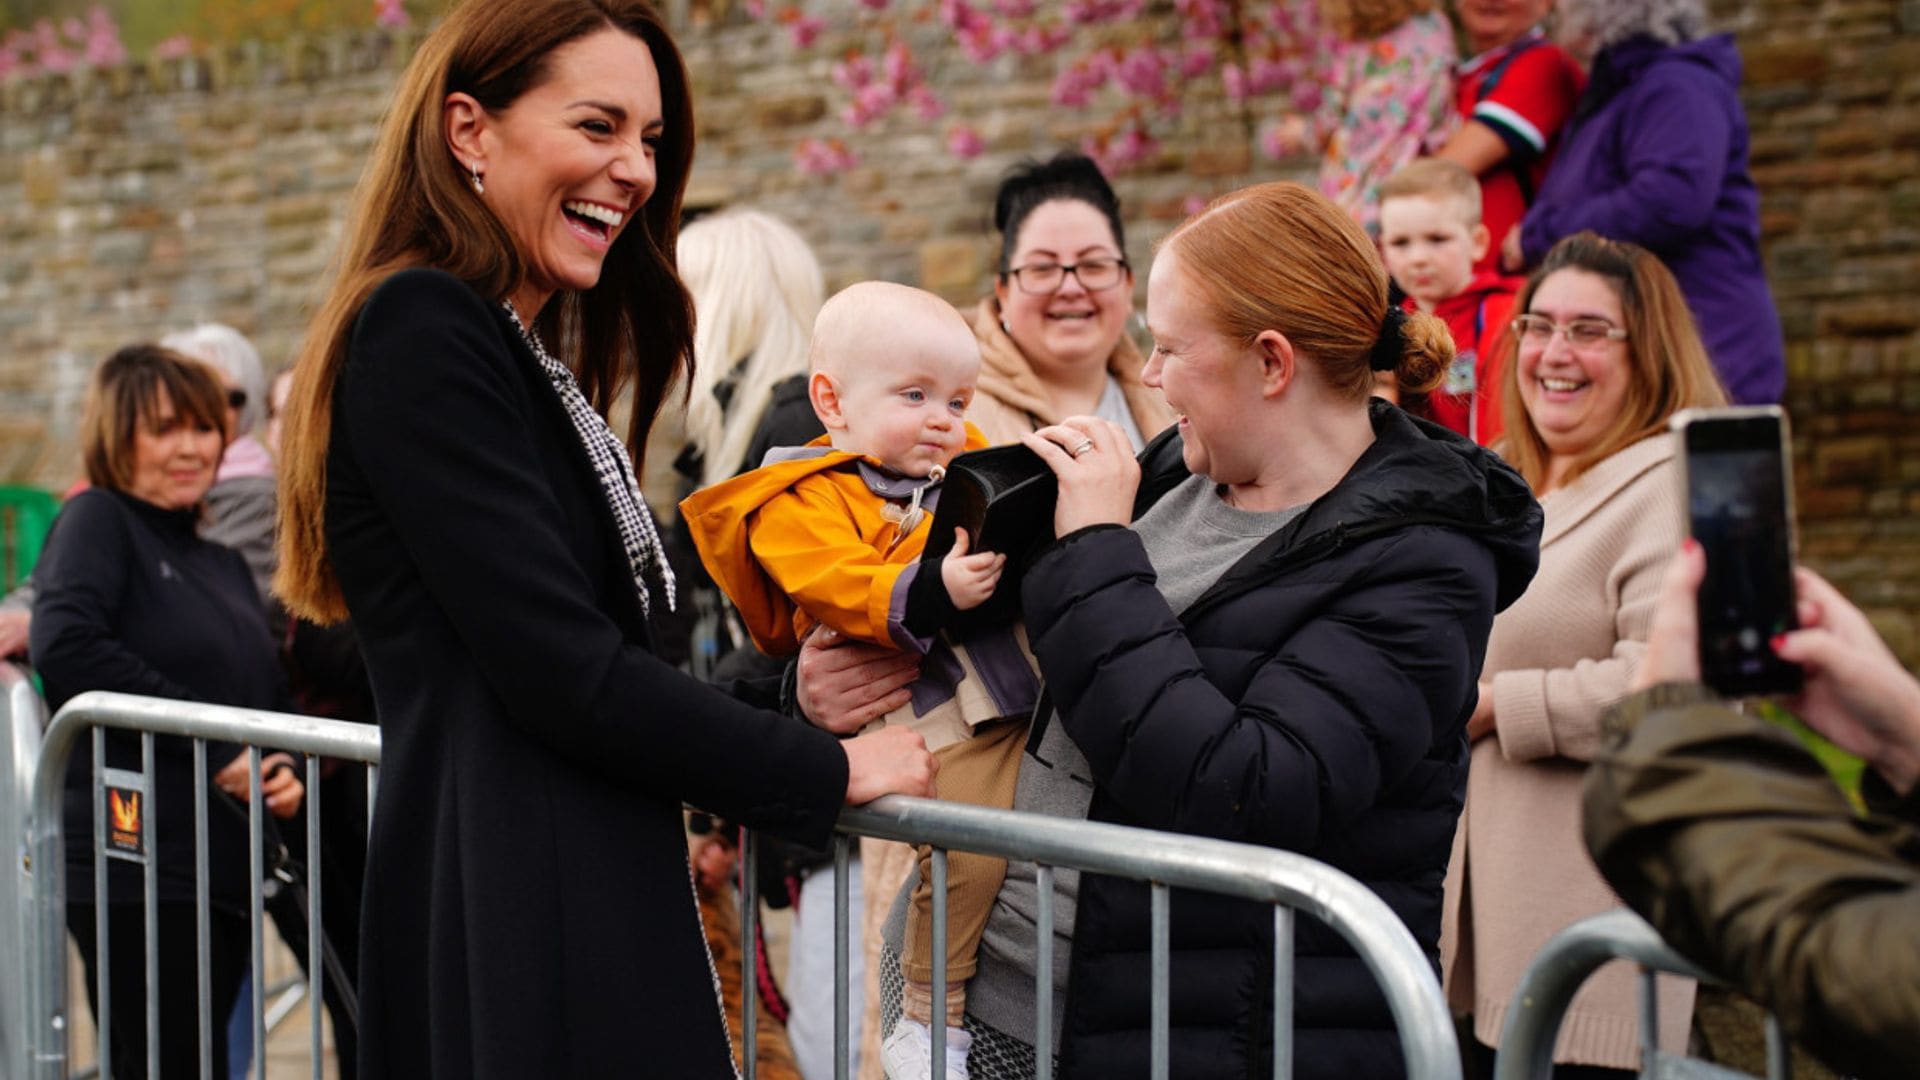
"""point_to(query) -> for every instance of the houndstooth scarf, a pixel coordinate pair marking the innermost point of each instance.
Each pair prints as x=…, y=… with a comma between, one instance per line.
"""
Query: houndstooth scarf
x=614, y=469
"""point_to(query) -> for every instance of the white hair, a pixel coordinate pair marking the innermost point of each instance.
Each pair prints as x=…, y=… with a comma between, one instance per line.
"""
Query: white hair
x=1609, y=22
x=756, y=288
x=234, y=356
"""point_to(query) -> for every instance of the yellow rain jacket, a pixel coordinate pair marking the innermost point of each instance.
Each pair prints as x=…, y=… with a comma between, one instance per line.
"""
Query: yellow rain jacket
x=807, y=541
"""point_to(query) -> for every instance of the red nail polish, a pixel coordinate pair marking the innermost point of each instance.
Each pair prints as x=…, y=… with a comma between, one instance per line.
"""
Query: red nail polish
x=1690, y=546
x=1776, y=641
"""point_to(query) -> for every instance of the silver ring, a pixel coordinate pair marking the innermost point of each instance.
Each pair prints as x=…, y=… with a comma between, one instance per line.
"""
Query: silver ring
x=1081, y=449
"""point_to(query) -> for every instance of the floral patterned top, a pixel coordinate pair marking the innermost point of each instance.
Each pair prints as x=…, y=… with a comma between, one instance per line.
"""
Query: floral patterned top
x=1387, y=101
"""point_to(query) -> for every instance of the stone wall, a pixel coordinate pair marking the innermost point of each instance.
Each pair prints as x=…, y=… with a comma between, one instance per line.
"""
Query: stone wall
x=137, y=200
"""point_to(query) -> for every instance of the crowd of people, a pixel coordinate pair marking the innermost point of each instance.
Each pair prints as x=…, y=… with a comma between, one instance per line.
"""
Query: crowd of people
x=1377, y=556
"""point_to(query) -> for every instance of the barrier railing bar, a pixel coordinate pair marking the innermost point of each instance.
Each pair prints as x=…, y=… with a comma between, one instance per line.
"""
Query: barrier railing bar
x=1540, y=1002
x=842, y=960
x=750, y=951
x=1649, y=1015
x=95, y=712
x=150, y=900
x=1043, y=976
x=1162, y=993
x=1282, y=992
x=203, y=931
x=937, y=1024
x=103, y=951
x=257, y=907
x=373, y=780
x=316, y=937
x=1268, y=875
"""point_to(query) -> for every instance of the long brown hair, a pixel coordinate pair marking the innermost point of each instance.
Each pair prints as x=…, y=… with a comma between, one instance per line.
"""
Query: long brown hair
x=1666, y=362
x=413, y=207
x=1279, y=256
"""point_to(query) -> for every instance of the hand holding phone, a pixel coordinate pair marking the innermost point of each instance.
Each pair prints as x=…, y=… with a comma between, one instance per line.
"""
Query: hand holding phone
x=1740, y=511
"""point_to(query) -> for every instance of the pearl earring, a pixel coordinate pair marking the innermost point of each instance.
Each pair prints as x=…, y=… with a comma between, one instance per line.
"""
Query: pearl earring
x=478, y=187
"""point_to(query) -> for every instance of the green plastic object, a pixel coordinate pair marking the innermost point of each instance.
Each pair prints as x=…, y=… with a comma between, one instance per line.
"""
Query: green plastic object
x=25, y=515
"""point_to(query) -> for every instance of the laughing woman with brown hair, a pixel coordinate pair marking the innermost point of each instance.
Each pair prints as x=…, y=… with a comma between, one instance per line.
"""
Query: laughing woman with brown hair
x=451, y=481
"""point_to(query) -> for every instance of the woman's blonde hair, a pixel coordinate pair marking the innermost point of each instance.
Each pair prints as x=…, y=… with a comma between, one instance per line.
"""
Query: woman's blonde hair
x=413, y=207
x=1279, y=256
x=756, y=288
x=1667, y=365
x=1364, y=20
x=124, y=396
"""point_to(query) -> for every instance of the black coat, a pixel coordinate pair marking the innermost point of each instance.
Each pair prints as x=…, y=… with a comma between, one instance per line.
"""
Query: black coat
x=1314, y=699
x=529, y=910
x=131, y=599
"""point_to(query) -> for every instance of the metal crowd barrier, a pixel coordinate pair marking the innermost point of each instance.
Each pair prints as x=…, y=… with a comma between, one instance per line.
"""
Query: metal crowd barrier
x=1560, y=967
x=46, y=963
x=1290, y=882
x=22, y=715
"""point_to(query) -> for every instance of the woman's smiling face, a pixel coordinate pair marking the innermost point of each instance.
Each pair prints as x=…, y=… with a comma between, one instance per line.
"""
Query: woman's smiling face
x=1210, y=380
x=1573, y=394
x=571, y=161
x=1073, y=327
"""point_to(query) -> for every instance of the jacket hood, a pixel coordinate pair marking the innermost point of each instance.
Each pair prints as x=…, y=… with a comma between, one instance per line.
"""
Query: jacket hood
x=1618, y=65
x=1415, y=473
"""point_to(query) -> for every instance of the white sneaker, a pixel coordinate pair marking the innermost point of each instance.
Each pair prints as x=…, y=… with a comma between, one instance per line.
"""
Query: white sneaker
x=907, y=1053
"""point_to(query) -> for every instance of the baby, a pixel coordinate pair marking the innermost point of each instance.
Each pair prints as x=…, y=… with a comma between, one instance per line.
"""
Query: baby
x=832, y=533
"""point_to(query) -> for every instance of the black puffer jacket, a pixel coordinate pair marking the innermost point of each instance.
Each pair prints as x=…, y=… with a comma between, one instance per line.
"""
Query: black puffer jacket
x=1315, y=699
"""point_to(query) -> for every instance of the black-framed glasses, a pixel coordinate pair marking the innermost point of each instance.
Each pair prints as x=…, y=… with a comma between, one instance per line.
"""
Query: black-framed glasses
x=1044, y=278
x=236, y=399
x=1581, y=333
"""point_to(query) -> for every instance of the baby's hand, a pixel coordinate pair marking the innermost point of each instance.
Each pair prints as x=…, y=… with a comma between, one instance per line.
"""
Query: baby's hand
x=970, y=578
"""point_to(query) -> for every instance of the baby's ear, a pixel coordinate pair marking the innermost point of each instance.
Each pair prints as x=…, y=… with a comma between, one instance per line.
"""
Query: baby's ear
x=1481, y=239
x=826, y=401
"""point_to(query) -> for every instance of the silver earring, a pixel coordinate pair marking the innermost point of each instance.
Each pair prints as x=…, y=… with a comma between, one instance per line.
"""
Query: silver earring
x=478, y=187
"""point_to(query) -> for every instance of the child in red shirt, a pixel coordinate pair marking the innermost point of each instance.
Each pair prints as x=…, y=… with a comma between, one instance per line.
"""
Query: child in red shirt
x=1514, y=96
x=1432, y=235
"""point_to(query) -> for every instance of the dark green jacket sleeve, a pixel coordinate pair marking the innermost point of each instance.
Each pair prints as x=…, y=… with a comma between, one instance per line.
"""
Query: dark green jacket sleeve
x=1735, y=844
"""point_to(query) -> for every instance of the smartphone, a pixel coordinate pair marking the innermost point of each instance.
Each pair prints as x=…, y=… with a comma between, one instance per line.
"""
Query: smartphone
x=1739, y=494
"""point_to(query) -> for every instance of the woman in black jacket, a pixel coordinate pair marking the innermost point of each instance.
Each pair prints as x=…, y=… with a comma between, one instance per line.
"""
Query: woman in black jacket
x=1282, y=648
x=451, y=481
x=131, y=599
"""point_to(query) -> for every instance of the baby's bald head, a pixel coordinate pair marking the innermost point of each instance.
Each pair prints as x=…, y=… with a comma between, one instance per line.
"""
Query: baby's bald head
x=874, y=325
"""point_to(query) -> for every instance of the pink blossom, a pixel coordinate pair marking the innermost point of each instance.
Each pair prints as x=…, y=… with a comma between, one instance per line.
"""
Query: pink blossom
x=899, y=68
x=980, y=45
x=823, y=157
x=173, y=48
x=1196, y=61
x=1142, y=71
x=1074, y=87
x=12, y=64
x=391, y=14
x=964, y=142
x=874, y=5
x=1014, y=9
x=852, y=73
x=1088, y=12
x=1202, y=19
x=926, y=104
x=1129, y=148
x=1193, y=204
x=58, y=60
x=75, y=30
x=756, y=8
x=804, y=30
x=1234, y=81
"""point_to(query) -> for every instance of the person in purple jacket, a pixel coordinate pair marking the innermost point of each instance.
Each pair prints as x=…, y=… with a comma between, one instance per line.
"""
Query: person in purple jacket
x=1657, y=155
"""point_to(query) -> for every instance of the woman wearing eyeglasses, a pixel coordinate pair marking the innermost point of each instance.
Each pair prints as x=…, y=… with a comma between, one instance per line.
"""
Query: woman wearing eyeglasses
x=1053, y=334
x=1605, y=352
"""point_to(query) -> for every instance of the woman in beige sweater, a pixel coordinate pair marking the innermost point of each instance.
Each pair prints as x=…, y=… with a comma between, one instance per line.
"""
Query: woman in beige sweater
x=1604, y=354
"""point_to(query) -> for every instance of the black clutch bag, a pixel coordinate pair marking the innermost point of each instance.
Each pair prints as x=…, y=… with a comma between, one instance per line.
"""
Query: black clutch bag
x=1003, y=496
